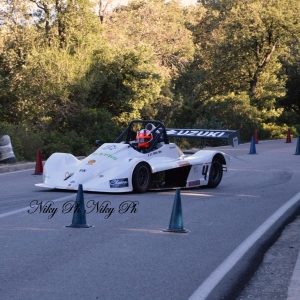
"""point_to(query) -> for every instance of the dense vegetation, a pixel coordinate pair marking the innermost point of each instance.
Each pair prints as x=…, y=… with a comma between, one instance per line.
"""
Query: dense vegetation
x=73, y=71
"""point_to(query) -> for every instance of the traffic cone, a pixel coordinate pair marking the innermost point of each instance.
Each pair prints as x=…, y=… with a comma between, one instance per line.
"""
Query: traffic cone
x=176, y=222
x=298, y=147
x=255, y=137
x=252, y=146
x=79, y=219
x=288, y=136
x=38, y=164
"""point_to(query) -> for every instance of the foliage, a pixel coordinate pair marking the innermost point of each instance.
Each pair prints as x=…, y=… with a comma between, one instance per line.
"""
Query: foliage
x=80, y=132
x=68, y=77
x=156, y=23
x=124, y=81
x=291, y=64
x=233, y=111
x=273, y=131
x=92, y=125
x=69, y=142
x=238, y=48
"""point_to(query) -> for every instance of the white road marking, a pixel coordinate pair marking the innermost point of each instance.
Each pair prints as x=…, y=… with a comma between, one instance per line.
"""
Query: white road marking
x=10, y=213
x=220, y=272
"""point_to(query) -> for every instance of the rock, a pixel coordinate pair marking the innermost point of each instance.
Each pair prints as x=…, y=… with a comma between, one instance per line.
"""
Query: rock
x=6, y=150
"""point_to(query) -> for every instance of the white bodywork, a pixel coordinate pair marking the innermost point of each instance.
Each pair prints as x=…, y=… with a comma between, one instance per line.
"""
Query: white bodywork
x=110, y=167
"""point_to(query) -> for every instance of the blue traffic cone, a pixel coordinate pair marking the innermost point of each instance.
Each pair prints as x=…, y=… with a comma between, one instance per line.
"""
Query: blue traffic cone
x=176, y=222
x=298, y=147
x=79, y=219
x=252, y=146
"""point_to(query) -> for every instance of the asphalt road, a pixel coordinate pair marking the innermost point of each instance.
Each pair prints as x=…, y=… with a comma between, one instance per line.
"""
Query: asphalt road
x=127, y=255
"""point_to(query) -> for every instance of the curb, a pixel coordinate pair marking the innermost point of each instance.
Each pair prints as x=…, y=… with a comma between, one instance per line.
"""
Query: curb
x=6, y=168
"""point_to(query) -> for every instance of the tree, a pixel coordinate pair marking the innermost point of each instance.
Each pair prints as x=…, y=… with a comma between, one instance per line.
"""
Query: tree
x=238, y=48
x=65, y=21
x=154, y=23
x=124, y=81
x=291, y=63
x=16, y=39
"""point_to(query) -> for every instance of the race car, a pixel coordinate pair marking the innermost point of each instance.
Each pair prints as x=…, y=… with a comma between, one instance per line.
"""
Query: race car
x=140, y=159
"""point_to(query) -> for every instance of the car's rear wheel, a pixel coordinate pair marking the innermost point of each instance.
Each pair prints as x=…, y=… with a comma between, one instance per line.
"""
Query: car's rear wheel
x=141, y=178
x=215, y=174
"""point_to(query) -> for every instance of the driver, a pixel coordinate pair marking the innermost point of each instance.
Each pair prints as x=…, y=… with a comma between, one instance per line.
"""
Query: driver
x=143, y=138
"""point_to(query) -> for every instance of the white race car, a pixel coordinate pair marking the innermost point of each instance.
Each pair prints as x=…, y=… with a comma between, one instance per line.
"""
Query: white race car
x=150, y=162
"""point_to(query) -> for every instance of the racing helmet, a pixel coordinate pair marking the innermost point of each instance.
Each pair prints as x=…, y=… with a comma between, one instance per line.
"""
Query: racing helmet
x=143, y=138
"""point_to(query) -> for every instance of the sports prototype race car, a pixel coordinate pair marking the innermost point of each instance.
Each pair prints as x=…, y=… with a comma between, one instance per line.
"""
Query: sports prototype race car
x=141, y=160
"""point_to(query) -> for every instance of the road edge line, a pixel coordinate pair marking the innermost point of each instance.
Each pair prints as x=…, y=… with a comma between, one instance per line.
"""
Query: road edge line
x=203, y=291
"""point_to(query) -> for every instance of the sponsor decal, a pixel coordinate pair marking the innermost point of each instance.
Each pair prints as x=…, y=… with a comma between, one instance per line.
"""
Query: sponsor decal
x=90, y=162
x=68, y=175
x=118, y=183
x=195, y=133
x=183, y=163
x=82, y=170
x=195, y=169
x=194, y=182
x=155, y=152
x=109, y=147
x=108, y=155
x=173, y=147
x=105, y=154
x=73, y=181
x=47, y=176
x=100, y=176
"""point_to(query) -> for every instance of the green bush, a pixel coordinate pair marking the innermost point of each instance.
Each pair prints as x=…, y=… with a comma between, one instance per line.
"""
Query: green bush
x=77, y=136
x=273, y=131
x=69, y=142
x=93, y=124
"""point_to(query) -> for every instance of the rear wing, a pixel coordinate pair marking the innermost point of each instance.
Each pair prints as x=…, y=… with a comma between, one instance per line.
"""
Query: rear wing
x=232, y=136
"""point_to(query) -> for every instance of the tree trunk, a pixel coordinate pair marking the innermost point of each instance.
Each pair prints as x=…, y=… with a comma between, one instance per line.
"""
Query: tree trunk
x=263, y=64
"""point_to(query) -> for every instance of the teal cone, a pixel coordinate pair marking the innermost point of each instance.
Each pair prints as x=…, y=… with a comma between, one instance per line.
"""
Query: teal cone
x=176, y=221
x=298, y=147
x=79, y=218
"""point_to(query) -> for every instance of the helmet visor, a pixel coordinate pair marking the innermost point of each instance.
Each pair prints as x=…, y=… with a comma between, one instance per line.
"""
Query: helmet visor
x=144, y=137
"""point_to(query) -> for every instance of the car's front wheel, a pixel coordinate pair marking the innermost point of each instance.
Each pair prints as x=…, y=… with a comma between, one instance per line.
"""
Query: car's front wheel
x=215, y=174
x=141, y=178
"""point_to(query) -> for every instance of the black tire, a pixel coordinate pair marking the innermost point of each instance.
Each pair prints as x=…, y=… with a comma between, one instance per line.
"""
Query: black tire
x=141, y=178
x=215, y=174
